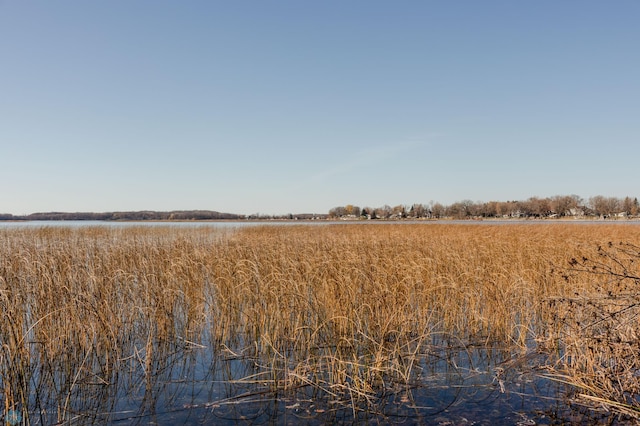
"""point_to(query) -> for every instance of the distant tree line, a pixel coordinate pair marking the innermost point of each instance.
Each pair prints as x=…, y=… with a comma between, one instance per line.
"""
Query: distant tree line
x=534, y=207
x=137, y=215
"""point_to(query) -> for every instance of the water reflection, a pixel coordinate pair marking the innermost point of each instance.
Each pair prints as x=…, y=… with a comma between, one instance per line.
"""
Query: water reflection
x=180, y=382
x=245, y=223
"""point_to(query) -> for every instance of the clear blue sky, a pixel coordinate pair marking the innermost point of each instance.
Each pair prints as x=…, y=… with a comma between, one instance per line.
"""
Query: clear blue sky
x=301, y=106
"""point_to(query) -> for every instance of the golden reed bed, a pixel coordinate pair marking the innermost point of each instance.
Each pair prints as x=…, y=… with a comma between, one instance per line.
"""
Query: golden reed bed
x=345, y=309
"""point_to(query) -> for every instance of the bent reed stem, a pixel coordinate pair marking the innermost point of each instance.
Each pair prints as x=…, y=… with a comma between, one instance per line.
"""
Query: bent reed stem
x=348, y=309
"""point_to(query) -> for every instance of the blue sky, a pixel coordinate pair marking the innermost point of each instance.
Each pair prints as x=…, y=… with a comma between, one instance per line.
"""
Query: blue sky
x=298, y=106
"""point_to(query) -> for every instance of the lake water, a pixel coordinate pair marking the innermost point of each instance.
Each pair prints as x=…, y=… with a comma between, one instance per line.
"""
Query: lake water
x=194, y=385
x=244, y=223
x=87, y=223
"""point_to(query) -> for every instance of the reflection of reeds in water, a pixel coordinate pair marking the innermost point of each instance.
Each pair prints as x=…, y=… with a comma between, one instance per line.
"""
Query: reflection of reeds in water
x=346, y=312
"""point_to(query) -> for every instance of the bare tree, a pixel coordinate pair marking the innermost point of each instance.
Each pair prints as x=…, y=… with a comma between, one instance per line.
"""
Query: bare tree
x=562, y=204
x=419, y=211
x=384, y=212
x=605, y=206
x=399, y=211
x=630, y=206
x=337, y=212
x=437, y=210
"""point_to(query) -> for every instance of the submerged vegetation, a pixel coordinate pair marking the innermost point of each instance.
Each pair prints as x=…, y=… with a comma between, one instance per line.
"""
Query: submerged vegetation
x=99, y=320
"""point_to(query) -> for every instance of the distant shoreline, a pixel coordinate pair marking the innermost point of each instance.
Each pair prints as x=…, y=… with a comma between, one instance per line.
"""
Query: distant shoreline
x=342, y=220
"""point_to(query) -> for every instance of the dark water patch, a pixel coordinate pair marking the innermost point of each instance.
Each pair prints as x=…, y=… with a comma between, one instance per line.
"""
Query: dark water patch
x=192, y=384
x=201, y=380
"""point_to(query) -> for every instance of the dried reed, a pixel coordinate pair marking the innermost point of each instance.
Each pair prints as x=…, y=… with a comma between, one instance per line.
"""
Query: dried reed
x=347, y=310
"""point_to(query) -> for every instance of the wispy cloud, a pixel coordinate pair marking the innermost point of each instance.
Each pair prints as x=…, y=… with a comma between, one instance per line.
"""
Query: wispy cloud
x=348, y=167
x=364, y=158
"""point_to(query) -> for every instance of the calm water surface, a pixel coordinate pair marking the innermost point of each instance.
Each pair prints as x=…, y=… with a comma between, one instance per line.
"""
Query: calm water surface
x=244, y=223
x=192, y=384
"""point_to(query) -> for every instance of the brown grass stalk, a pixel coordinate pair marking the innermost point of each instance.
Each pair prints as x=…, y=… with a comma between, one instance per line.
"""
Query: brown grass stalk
x=348, y=309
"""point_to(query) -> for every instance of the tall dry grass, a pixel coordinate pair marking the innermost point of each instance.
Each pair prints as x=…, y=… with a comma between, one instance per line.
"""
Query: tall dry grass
x=349, y=311
x=598, y=326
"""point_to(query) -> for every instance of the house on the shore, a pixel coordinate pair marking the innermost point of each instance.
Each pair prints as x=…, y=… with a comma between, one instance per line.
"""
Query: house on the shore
x=575, y=212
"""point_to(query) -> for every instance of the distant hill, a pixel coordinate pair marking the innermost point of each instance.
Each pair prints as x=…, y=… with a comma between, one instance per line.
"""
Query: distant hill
x=138, y=215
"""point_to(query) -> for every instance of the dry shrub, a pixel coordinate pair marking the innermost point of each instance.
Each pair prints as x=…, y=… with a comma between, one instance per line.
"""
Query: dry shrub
x=599, y=326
